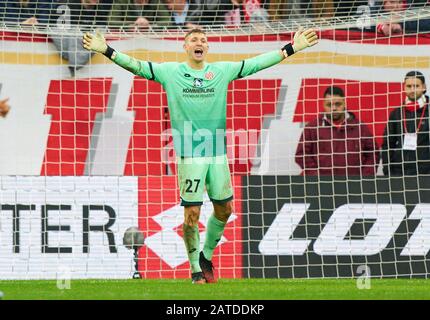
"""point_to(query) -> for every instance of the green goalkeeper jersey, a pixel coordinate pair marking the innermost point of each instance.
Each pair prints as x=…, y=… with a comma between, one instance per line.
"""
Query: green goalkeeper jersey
x=197, y=99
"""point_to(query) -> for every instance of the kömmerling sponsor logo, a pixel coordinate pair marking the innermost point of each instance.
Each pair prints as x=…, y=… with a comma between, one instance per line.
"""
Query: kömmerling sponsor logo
x=198, y=90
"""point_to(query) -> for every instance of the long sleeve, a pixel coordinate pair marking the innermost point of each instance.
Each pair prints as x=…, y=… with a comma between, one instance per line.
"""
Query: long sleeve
x=387, y=146
x=369, y=152
x=137, y=67
x=158, y=72
x=252, y=65
x=385, y=152
x=305, y=153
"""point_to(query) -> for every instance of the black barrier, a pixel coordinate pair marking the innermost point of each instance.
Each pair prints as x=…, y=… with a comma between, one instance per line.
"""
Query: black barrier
x=297, y=227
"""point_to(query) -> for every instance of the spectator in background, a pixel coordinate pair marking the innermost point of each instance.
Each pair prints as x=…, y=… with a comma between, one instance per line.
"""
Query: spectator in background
x=348, y=7
x=25, y=12
x=322, y=9
x=253, y=12
x=88, y=14
x=76, y=16
x=285, y=9
x=138, y=14
x=417, y=3
x=183, y=14
x=406, y=146
x=4, y=107
x=191, y=14
x=332, y=8
x=395, y=27
x=246, y=11
x=336, y=142
x=278, y=10
x=214, y=11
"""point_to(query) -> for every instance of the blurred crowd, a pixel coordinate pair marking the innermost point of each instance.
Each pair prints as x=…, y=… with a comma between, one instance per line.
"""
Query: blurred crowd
x=142, y=14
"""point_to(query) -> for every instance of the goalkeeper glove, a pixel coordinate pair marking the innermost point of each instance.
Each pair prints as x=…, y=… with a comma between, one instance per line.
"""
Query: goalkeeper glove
x=97, y=43
x=302, y=40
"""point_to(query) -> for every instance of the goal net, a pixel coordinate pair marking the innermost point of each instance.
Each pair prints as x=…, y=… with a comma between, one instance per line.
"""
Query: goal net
x=87, y=150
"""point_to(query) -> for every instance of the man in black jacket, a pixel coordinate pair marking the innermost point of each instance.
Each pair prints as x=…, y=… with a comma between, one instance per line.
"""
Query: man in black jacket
x=406, y=147
x=394, y=27
x=190, y=14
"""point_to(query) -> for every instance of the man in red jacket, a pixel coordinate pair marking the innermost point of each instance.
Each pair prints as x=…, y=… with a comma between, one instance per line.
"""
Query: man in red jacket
x=336, y=142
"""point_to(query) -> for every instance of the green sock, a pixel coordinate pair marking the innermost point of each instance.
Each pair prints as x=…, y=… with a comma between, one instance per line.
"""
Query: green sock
x=214, y=231
x=192, y=243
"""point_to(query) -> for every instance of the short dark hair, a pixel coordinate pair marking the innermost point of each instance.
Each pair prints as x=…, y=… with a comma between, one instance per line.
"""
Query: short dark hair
x=416, y=74
x=334, y=91
x=195, y=30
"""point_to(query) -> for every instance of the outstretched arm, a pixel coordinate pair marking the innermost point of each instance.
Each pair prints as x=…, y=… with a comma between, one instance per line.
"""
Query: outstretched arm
x=97, y=43
x=302, y=40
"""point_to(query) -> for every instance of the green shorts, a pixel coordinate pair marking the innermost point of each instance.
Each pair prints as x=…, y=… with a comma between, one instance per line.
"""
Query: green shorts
x=194, y=174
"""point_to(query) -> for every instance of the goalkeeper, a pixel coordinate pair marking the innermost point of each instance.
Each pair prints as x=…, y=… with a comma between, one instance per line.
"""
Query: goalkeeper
x=197, y=100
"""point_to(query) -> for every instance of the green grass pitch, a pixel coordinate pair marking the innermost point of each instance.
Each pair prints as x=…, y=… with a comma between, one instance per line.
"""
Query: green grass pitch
x=225, y=289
